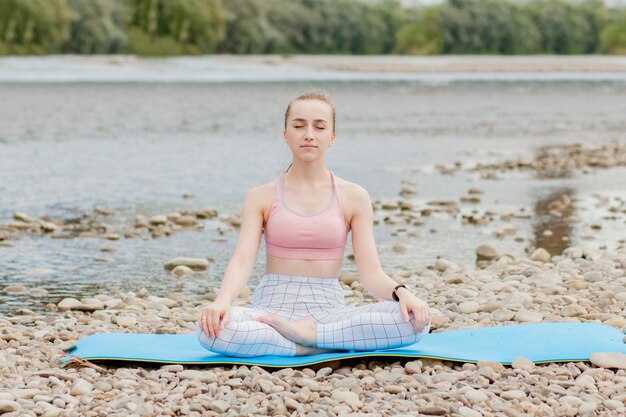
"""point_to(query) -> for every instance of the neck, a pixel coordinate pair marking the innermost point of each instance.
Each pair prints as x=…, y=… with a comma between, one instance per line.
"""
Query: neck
x=308, y=172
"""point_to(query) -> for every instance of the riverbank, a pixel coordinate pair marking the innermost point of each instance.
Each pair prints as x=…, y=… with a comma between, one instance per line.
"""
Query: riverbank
x=578, y=285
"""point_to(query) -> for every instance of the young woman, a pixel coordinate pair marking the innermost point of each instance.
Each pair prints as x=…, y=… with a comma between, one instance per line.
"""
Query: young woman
x=306, y=213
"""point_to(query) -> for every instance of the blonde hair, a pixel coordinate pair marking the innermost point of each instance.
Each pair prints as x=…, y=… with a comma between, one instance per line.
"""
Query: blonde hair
x=312, y=95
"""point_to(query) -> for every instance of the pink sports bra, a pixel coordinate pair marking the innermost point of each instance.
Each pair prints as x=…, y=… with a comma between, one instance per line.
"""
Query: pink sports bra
x=322, y=235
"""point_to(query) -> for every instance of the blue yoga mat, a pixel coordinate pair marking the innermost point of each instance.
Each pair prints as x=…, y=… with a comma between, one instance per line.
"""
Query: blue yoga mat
x=538, y=342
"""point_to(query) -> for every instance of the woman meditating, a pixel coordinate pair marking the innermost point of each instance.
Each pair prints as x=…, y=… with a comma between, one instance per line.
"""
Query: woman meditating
x=298, y=308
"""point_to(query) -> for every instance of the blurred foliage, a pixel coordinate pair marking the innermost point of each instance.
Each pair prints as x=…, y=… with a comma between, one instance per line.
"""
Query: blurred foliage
x=613, y=38
x=422, y=34
x=180, y=27
x=33, y=26
x=96, y=27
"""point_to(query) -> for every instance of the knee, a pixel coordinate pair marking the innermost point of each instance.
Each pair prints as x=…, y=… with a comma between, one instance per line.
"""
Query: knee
x=225, y=334
x=396, y=312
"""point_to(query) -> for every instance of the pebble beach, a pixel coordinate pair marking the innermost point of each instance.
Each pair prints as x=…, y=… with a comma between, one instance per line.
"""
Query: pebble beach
x=578, y=285
x=143, y=251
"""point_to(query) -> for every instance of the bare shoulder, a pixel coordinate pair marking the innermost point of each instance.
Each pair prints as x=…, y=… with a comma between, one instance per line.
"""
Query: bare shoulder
x=261, y=197
x=352, y=196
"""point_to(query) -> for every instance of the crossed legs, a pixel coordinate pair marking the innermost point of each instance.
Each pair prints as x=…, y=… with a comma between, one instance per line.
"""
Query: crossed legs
x=243, y=336
x=256, y=332
x=369, y=327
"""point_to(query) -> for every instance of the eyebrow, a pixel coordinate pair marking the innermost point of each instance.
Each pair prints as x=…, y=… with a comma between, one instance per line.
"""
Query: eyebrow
x=304, y=120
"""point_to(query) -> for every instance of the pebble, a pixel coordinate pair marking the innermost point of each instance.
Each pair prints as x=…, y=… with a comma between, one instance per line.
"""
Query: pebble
x=433, y=410
x=475, y=396
x=487, y=251
x=523, y=364
x=469, y=307
x=608, y=360
x=219, y=406
x=182, y=270
x=158, y=220
x=8, y=406
x=197, y=264
x=587, y=407
x=126, y=321
x=614, y=405
x=202, y=376
x=347, y=397
x=540, y=255
x=459, y=297
x=528, y=317
x=81, y=387
x=593, y=276
x=513, y=395
x=468, y=412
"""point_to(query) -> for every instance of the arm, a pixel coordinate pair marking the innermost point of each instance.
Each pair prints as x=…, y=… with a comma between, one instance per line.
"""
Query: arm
x=371, y=275
x=243, y=259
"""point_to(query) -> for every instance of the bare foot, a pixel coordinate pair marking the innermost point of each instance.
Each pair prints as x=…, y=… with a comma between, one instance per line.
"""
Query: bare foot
x=302, y=331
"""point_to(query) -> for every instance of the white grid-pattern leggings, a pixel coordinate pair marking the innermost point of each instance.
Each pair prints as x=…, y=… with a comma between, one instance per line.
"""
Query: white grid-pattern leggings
x=367, y=327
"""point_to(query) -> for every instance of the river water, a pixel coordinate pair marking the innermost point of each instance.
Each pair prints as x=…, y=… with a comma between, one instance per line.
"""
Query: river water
x=75, y=135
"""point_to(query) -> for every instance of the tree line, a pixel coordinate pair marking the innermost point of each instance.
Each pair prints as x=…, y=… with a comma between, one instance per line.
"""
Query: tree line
x=192, y=27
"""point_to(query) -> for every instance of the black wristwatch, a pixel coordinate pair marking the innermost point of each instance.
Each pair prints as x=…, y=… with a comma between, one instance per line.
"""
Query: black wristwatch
x=394, y=295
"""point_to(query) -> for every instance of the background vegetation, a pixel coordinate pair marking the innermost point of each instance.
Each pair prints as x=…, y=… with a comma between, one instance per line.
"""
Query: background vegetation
x=176, y=27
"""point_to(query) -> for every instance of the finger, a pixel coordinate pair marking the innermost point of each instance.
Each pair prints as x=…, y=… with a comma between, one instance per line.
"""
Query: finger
x=207, y=326
x=405, y=313
x=420, y=322
x=215, y=322
x=224, y=320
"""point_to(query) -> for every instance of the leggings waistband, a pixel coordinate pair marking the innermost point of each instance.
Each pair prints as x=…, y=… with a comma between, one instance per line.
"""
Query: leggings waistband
x=301, y=279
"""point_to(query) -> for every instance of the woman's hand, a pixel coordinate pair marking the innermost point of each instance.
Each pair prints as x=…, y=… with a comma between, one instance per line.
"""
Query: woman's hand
x=409, y=302
x=213, y=317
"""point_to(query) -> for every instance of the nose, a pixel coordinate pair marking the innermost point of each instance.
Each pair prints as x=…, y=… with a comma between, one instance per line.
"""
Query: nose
x=308, y=133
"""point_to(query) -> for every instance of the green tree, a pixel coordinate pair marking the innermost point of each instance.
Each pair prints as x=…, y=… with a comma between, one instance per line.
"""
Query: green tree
x=245, y=27
x=96, y=27
x=32, y=26
x=157, y=27
x=613, y=38
x=563, y=27
x=487, y=26
x=423, y=36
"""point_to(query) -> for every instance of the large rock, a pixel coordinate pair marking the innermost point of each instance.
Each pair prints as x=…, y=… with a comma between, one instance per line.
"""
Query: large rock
x=197, y=264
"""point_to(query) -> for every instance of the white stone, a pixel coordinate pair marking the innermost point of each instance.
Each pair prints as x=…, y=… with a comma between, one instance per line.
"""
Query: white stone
x=468, y=412
x=523, y=363
x=528, y=317
x=347, y=397
x=487, y=251
x=608, y=359
x=197, y=264
x=68, y=304
x=126, y=321
x=540, y=255
x=476, y=396
x=469, y=307
x=593, y=276
x=7, y=406
x=587, y=407
x=513, y=395
x=202, y=376
x=81, y=387
x=158, y=220
x=182, y=270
